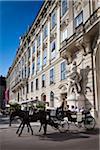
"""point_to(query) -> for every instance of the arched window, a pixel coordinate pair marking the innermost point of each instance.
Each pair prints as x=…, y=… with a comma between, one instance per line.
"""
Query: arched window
x=43, y=97
x=51, y=99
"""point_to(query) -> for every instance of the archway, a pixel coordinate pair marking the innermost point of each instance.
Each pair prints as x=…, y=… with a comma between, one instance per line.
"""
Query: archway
x=43, y=97
x=51, y=99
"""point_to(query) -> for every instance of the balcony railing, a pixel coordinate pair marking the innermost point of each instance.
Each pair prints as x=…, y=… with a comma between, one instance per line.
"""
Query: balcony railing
x=19, y=83
x=92, y=19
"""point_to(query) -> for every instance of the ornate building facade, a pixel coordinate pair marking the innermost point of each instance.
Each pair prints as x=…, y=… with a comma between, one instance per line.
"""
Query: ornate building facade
x=59, y=56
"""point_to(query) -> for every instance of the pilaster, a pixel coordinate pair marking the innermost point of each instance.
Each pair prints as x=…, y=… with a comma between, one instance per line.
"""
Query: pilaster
x=58, y=30
x=41, y=51
x=48, y=47
x=35, y=57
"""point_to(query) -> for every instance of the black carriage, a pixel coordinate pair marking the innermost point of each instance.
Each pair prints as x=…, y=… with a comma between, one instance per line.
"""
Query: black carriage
x=65, y=118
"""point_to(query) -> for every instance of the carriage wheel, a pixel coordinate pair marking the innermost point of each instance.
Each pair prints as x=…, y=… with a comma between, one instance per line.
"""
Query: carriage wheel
x=89, y=123
x=63, y=126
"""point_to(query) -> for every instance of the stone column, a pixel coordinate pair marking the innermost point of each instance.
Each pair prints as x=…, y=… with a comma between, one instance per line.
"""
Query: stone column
x=48, y=41
x=58, y=29
x=35, y=56
x=41, y=51
x=31, y=51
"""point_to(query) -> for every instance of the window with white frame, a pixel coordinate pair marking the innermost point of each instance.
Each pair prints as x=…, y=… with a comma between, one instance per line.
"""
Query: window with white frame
x=63, y=70
x=64, y=7
x=45, y=32
x=79, y=19
x=23, y=61
x=38, y=40
x=33, y=67
x=64, y=34
x=53, y=49
x=52, y=99
x=53, y=20
x=22, y=73
x=43, y=80
x=32, y=86
x=37, y=86
x=28, y=71
x=29, y=53
x=27, y=88
x=38, y=62
x=44, y=56
x=33, y=48
x=25, y=71
x=52, y=76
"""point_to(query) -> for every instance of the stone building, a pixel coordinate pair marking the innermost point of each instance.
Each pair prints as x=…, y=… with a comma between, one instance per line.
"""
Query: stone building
x=2, y=91
x=59, y=56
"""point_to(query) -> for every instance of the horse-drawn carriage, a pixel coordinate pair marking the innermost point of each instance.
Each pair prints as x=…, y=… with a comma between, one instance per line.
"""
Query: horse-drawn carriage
x=56, y=118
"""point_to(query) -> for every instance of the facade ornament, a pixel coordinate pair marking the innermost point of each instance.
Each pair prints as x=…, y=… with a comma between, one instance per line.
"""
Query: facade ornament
x=67, y=55
x=74, y=79
x=53, y=36
x=84, y=45
x=64, y=23
x=78, y=5
x=45, y=44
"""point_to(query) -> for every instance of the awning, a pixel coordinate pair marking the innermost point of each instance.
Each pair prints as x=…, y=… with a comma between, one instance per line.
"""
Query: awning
x=28, y=101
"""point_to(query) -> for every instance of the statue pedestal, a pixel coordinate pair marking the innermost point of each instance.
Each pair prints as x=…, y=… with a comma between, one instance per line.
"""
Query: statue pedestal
x=76, y=100
x=81, y=101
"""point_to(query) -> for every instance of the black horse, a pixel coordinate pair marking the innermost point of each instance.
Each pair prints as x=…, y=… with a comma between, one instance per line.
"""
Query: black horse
x=41, y=115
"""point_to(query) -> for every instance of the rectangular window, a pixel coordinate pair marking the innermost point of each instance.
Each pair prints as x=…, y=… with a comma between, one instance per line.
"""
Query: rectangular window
x=22, y=61
x=63, y=70
x=79, y=19
x=29, y=53
x=27, y=88
x=33, y=68
x=64, y=6
x=22, y=74
x=53, y=20
x=64, y=35
x=38, y=40
x=33, y=48
x=32, y=86
x=28, y=71
x=53, y=49
x=38, y=63
x=43, y=80
x=52, y=76
x=44, y=56
x=45, y=32
x=37, y=84
x=25, y=71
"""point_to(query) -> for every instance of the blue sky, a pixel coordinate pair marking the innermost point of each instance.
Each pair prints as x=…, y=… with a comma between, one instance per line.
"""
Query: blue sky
x=15, y=16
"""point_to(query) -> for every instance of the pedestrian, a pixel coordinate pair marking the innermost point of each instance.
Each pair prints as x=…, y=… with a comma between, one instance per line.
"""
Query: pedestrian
x=72, y=108
x=76, y=109
x=82, y=109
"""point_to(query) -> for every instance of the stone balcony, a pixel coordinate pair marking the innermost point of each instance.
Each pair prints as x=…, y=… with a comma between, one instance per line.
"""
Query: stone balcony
x=19, y=84
x=82, y=34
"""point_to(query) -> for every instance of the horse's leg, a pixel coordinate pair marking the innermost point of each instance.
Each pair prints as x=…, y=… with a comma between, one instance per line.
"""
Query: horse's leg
x=22, y=128
x=45, y=128
x=30, y=127
x=10, y=120
x=40, y=127
x=10, y=123
x=19, y=127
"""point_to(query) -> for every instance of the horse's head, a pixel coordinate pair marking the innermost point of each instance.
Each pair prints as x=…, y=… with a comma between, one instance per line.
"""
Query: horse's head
x=13, y=114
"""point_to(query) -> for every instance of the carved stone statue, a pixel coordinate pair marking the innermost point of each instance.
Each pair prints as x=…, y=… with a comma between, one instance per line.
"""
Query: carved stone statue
x=74, y=79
